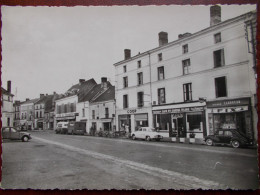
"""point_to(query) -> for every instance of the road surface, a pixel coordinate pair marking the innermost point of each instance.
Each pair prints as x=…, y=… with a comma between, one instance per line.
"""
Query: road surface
x=50, y=161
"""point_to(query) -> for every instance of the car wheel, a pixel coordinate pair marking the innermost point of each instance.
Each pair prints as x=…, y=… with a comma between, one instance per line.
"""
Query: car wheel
x=133, y=137
x=148, y=138
x=25, y=139
x=235, y=144
x=209, y=142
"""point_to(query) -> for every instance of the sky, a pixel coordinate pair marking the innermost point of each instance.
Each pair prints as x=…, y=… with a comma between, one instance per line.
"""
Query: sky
x=47, y=49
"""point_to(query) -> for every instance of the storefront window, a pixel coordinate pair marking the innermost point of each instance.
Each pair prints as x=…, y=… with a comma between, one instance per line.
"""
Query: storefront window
x=124, y=123
x=194, y=121
x=141, y=120
x=162, y=121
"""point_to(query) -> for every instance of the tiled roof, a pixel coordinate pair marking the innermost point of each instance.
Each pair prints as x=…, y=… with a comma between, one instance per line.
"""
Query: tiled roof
x=30, y=101
x=49, y=103
x=3, y=91
x=109, y=94
x=94, y=93
x=80, y=89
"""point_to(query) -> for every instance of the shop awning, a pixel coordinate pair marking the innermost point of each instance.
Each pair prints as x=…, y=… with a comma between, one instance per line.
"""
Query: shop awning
x=141, y=117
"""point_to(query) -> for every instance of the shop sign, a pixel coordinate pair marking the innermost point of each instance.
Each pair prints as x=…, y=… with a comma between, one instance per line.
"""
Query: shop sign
x=66, y=118
x=228, y=110
x=70, y=114
x=177, y=110
x=225, y=103
x=131, y=111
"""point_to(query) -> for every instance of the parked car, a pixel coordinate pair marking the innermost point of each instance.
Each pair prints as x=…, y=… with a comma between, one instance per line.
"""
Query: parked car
x=228, y=136
x=62, y=128
x=77, y=128
x=13, y=134
x=146, y=133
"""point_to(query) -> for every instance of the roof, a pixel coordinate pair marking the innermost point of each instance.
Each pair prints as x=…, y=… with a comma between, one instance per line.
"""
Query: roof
x=109, y=94
x=49, y=106
x=93, y=93
x=185, y=38
x=4, y=91
x=80, y=89
x=30, y=101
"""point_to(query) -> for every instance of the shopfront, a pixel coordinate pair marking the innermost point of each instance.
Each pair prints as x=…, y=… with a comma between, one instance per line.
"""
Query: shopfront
x=230, y=114
x=66, y=117
x=130, y=120
x=181, y=122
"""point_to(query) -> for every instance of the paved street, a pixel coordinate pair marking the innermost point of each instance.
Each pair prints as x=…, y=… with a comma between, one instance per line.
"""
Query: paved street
x=52, y=161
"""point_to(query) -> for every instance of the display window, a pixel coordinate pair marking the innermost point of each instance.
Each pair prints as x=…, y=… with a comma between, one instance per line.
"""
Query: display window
x=194, y=121
x=141, y=120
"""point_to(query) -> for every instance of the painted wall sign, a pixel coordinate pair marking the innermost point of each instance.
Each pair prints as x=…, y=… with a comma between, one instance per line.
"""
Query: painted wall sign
x=131, y=111
x=228, y=110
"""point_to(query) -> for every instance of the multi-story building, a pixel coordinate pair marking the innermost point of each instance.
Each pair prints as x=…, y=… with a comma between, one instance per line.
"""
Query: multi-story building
x=27, y=113
x=97, y=107
x=39, y=108
x=65, y=106
x=44, y=106
x=133, y=92
x=7, y=106
x=17, y=108
x=49, y=111
x=196, y=84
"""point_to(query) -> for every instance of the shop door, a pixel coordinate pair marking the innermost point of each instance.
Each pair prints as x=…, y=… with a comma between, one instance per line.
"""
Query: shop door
x=178, y=127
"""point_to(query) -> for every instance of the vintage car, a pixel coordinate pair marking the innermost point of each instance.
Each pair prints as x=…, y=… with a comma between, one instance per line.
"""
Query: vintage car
x=62, y=128
x=146, y=133
x=76, y=128
x=228, y=136
x=13, y=134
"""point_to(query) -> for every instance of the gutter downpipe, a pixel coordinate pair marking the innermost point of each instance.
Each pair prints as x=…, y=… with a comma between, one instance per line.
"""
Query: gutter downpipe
x=150, y=68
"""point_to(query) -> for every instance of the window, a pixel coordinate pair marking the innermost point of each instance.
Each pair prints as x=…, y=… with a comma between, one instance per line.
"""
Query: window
x=106, y=113
x=187, y=92
x=139, y=65
x=185, y=48
x=93, y=114
x=140, y=99
x=8, y=121
x=159, y=57
x=217, y=37
x=125, y=80
x=124, y=68
x=219, y=58
x=37, y=115
x=160, y=73
x=161, y=96
x=125, y=101
x=40, y=114
x=83, y=112
x=186, y=66
x=221, y=87
x=140, y=78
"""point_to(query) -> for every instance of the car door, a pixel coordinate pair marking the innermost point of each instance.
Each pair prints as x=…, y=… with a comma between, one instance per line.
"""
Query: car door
x=227, y=137
x=220, y=136
x=14, y=134
x=6, y=133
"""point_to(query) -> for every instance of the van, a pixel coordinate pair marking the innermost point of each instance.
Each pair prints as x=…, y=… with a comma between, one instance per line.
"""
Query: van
x=77, y=128
x=62, y=127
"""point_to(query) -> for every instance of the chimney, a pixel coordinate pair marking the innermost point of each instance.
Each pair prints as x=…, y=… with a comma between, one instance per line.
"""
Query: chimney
x=215, y=15
x=163, y=38
x=9, y=86
x=81, y=81
x=104, y=83
x=127, y=54
x=27, y=99
x=41, y=95
x=180, y=36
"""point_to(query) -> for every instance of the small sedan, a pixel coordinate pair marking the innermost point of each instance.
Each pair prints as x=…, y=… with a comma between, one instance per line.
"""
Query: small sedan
x=228, y=136
x=147, y=134
x=13, y=134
